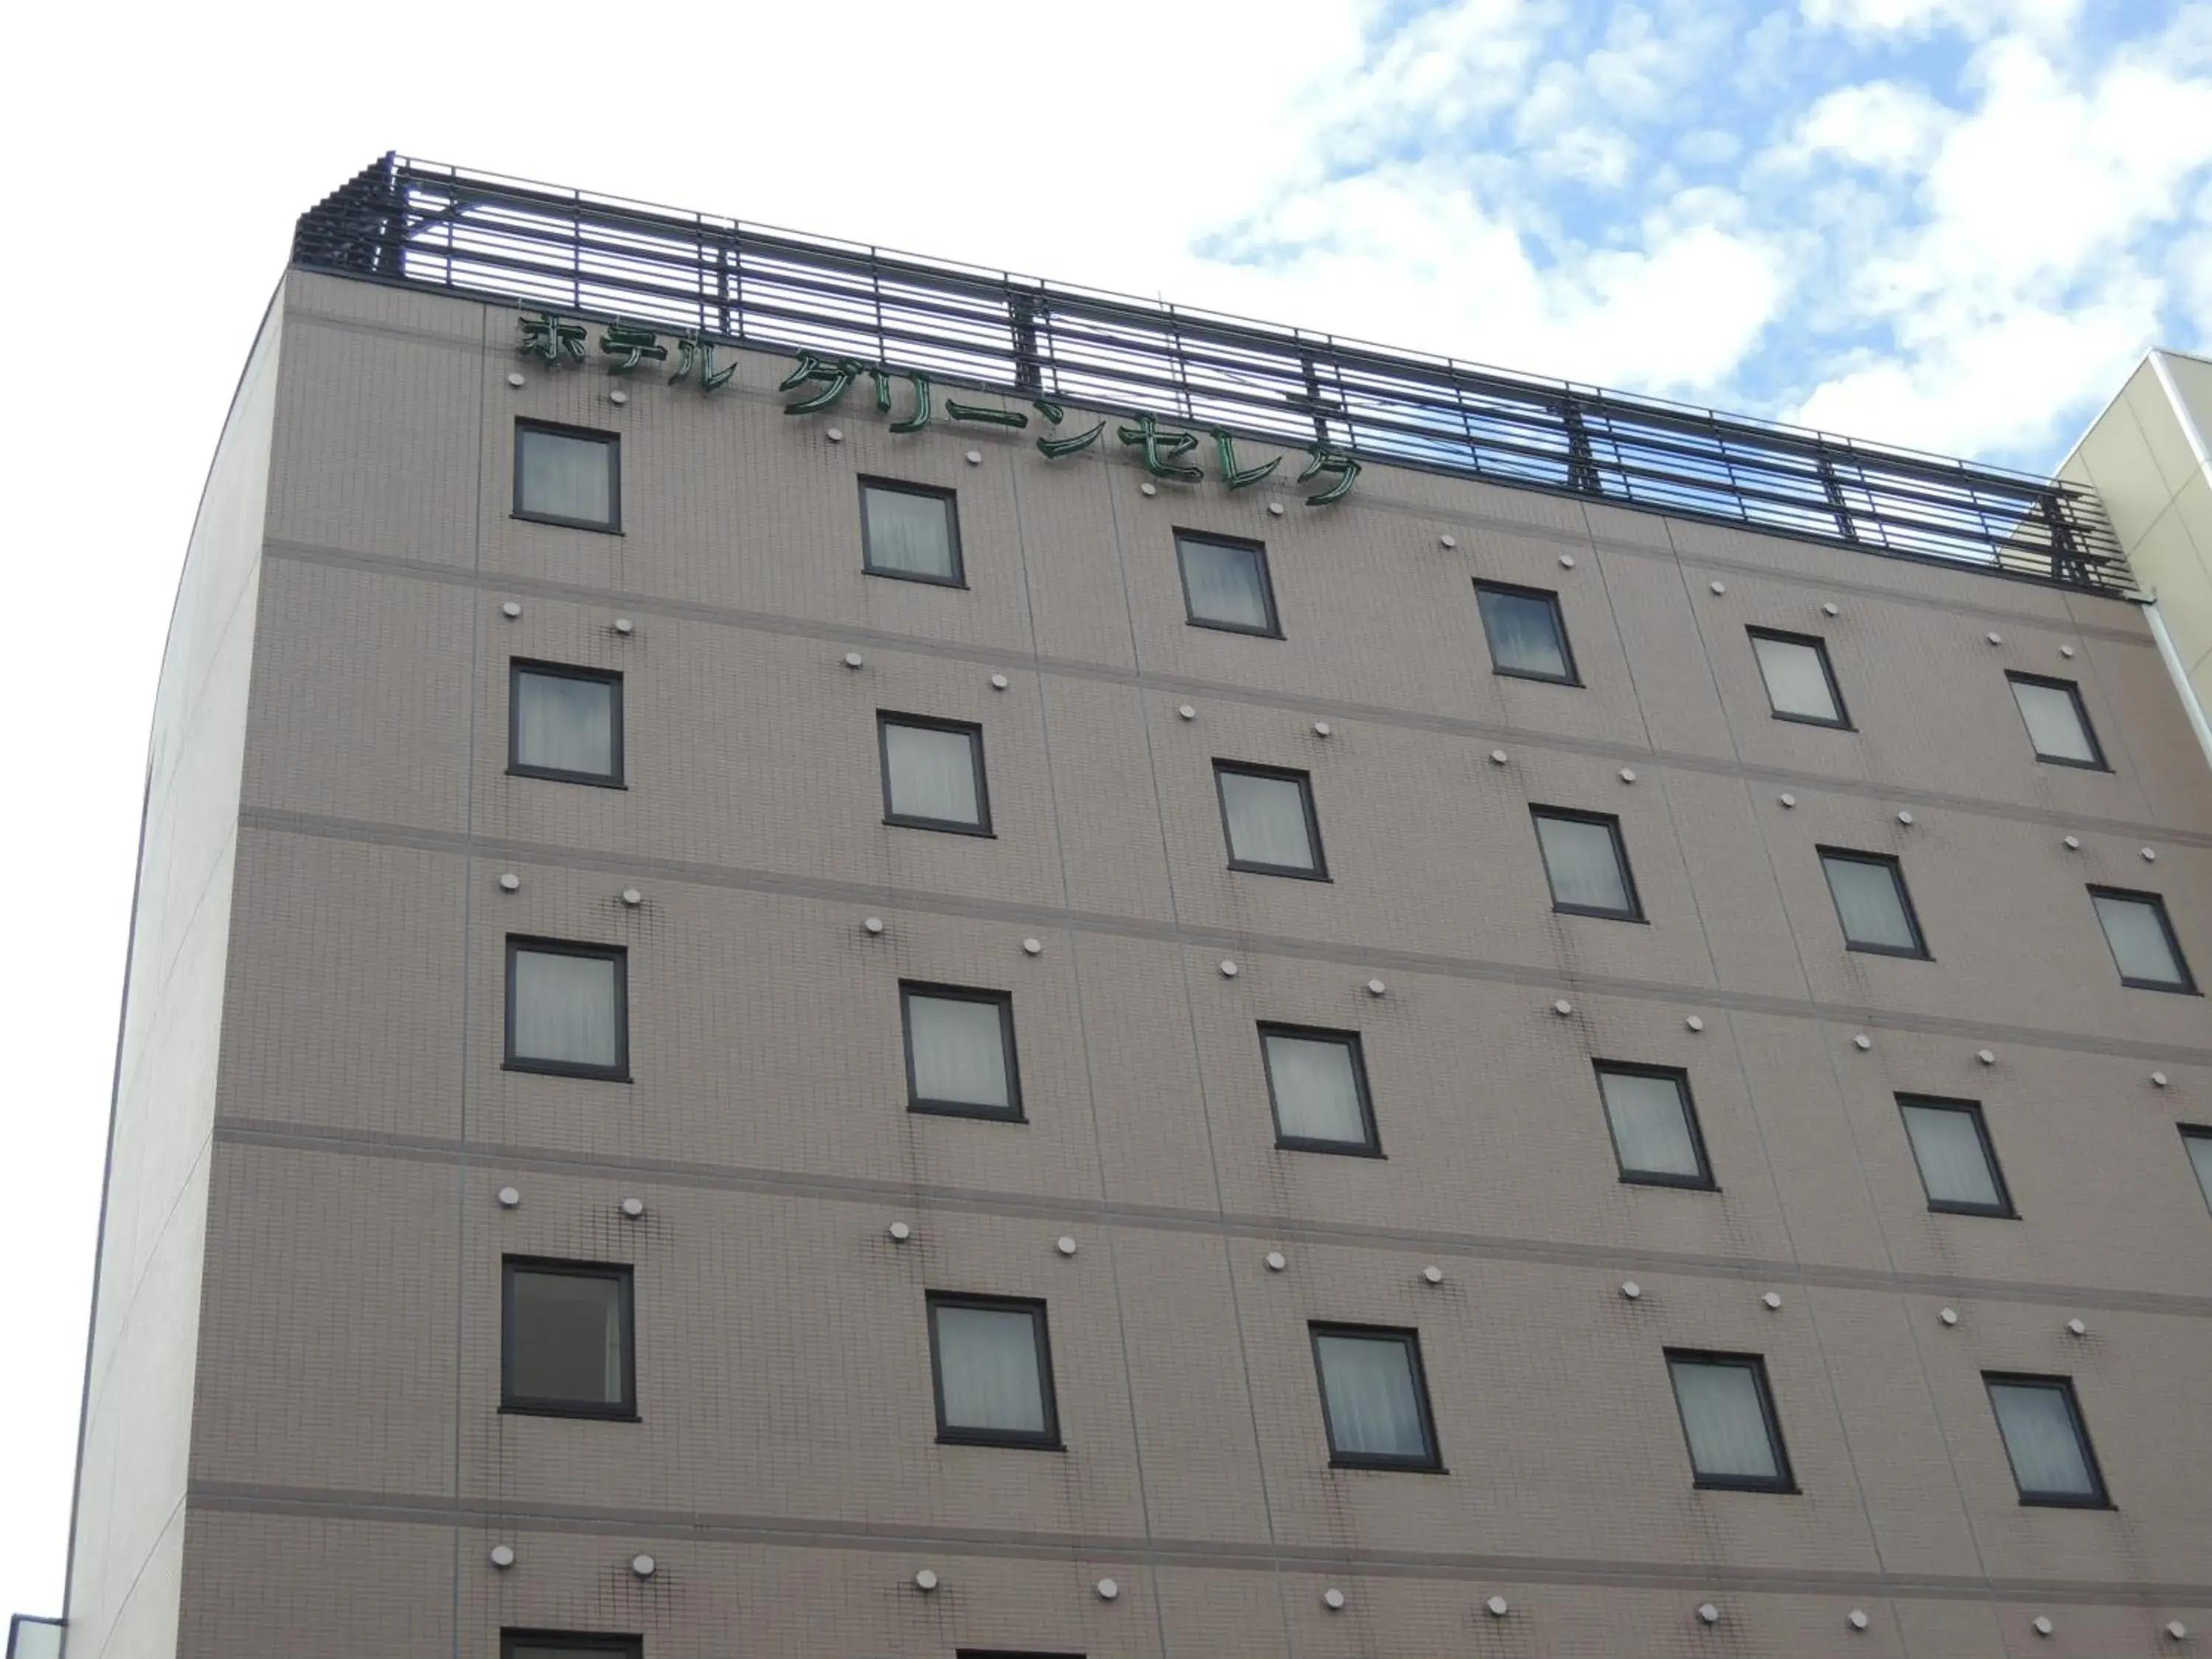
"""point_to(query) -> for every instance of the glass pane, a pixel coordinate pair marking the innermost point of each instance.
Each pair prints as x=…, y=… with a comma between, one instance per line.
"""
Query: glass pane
x=2046, y=1454
x=1523, y=630
x=933, y=774
x=1266, y=820
x=2138, y=938
x=986, y=1361
x=2200, y=1154
x=1721, y=1413
x=1796, y=681
x=910, y=533
x=562, y=724
x=566, y=478
x=1374, y=1408
x=1868, y=904
x=1582, y=864
x=1227, y=585
x=1650, y=1124
x=568, y=1647
x=1316, y=1090
x=1953, y=1165
x=959, y=1051
x=568, y=1338
x=2054, y=722
x=37, y=1638
x=565, y=1009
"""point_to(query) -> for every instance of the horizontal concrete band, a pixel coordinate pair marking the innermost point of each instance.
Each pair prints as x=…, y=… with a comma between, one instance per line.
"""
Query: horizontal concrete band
x=1153, y=1217
x=1490, y=1570
x=1374, y=496
x=844, y=636
x=1546, y=980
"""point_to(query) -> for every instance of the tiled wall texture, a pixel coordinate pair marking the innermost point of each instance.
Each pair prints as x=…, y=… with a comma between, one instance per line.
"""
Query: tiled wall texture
x=349, y=1468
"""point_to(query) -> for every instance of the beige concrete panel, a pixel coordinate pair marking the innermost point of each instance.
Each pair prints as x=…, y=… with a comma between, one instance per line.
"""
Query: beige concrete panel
x=2160, y=422
x=1105, y=824
x=1678, y=704
x=2169, y=553
x=308, y=1584
x=1791, y=1071
x=1725, y=848
x=383, y=306
x=1073, y=563
x=2192, y=379
x=144, y=1623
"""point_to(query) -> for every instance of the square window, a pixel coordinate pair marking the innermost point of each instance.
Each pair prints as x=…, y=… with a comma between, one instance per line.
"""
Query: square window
x=565, y=475
x=1801, y=686
x=567, y=1008
x=1727, y=1416
x=2045, y=1442
x=1269, y=815
x=1957, y=1165
x=566, y=1645
x=1225, y=584
x=2057, y=723
x=934, y=775
x=2140, y=934
x=910, y=532
x=1374, y=1398
x=960, y=1052
x=568, y=1342
x=1317, y=1084
x=1654, y=1125
x=564, y=723
x=1586, y=864
x=993, y=1368
x=1871, y=902
x=1527, y=635
x=2198, y=1139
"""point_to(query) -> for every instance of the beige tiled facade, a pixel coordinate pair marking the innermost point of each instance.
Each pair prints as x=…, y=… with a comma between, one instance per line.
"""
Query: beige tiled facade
x=294, y=1444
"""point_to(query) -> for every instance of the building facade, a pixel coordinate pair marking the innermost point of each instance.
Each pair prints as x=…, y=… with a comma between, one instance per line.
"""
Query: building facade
x=779, y=1006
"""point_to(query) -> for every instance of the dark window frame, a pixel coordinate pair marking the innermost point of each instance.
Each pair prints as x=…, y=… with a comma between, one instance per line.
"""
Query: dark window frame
x=612, y=443
x=625, y=1276
x=619, y=955
x=1550, y=596
x=2073, y=689
x=901, y=487
x=587, y=1643
x=610, y=677
x=2186, y=985
x=1611, y=821
x=973, y=731
x=2196, y=1132
x=1004, y=1001
x=1289, y=775
x=1048, y=1438
x=2004, y=1208
x=1703, y=1182
x=2100, y=1497
x=1273, y=631
x=1371, y=1146
x=1430, y=1459
x=1919, y=951
x=1784, y=1479
x=1819, y=648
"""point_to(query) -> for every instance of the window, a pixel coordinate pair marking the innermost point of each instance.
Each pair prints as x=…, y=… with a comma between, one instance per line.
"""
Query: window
x=2198, y=1139
x=1269, y=815
x=2057, y=724
x=1317, y=1083
x=567, y=1008
x=1957, y=1165
x=1224, y=584
x=1586, y=864
x=1654, y=1124
x=960, y=1052
x=564, y=723
x=911, y=532
x=1800, y=683
x=992, y=1367
x=1871, y=902
x=2045, y=1441
x=561, y=1645
x=2141, y=936
x=564, y=475
x=566, y=1343
x=1527, y=635
x=1374, y=1398
x=934, y=775
x=1727, y=1416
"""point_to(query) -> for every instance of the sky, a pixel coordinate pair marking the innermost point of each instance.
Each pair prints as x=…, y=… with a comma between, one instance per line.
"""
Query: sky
x=1948, y=224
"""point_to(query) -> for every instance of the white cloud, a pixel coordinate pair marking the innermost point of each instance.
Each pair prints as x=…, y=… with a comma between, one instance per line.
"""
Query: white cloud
x=2047, y=19
x=1881, y=126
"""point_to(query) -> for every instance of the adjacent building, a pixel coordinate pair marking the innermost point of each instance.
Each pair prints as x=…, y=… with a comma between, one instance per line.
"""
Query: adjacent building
x=841, y=955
